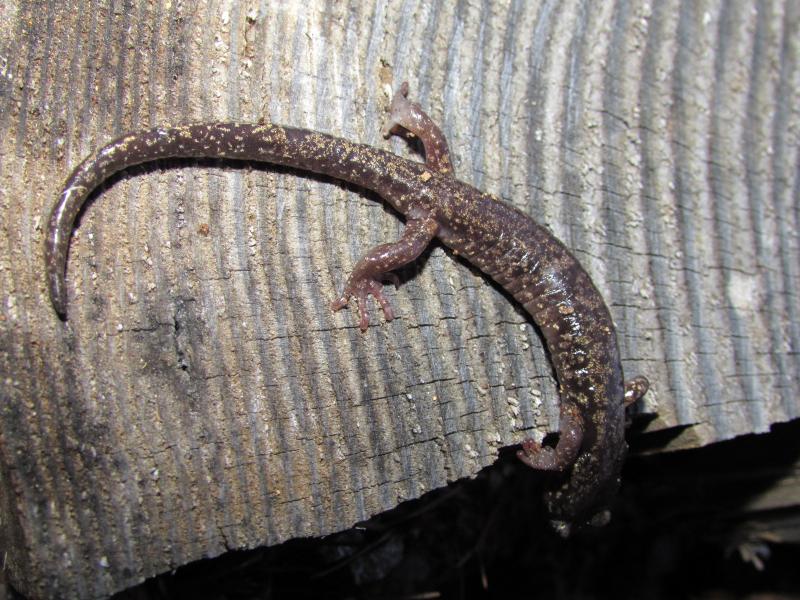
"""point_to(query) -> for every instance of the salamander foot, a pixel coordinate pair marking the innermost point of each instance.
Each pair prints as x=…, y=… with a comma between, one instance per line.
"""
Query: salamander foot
x=360, y=289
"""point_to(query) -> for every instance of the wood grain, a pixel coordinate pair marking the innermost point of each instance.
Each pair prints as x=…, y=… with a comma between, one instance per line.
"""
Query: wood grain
x=203, y=397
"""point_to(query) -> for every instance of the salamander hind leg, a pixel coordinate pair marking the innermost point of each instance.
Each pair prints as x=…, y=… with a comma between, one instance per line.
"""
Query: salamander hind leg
x=408, y=115
x=376, y=266
x=565, y=451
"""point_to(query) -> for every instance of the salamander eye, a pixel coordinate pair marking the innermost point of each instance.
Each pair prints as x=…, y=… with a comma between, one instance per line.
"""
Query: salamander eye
x=600, y=519
x=562, y=528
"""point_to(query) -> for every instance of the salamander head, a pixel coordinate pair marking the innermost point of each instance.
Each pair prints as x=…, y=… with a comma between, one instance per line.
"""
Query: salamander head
x=580, y=498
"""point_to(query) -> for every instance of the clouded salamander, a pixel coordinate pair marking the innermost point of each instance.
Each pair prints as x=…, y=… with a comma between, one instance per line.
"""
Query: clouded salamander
x=506, y=244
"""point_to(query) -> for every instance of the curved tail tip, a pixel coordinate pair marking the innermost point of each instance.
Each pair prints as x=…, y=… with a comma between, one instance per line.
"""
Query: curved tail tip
x=58, y=299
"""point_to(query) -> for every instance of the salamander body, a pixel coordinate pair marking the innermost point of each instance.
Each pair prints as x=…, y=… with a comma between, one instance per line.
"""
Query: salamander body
x=506, y=244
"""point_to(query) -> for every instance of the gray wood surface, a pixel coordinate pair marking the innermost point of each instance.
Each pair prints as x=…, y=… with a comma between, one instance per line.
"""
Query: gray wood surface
x=203, y=397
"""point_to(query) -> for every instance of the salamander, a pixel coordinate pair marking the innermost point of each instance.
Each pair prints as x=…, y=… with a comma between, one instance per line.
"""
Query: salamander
x=522, y=256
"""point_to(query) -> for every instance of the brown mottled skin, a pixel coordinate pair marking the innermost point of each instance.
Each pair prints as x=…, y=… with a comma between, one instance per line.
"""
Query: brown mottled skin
x=504, y=243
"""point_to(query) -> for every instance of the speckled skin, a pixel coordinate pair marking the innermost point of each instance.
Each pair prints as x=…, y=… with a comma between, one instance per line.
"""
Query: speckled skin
x=504, y=243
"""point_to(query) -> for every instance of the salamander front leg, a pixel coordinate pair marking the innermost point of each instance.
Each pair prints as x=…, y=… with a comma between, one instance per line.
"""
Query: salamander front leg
x=566, y=450
x=635, y=388
x=410, y=116
x=376, y=266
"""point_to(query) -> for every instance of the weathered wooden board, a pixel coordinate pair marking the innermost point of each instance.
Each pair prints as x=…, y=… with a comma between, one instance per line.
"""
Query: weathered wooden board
x=202, y=396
